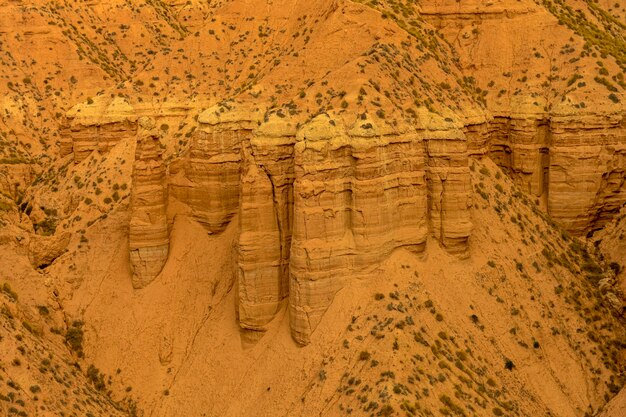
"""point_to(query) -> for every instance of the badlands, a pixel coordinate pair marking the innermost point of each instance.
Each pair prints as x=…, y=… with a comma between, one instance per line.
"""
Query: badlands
x=313, y=208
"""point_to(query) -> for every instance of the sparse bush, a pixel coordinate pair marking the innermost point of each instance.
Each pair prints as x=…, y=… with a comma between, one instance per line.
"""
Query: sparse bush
x=386, y=410
x=6, y=289
x=74, y=337
x=96, y=378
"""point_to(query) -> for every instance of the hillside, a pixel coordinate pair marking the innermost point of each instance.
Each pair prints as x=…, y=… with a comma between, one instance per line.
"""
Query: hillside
x=422, y=333
x=38, y=373
x=330, y=207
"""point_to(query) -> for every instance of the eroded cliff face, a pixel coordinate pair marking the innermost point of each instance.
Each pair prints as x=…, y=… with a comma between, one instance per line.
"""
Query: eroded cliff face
x=97, y=125
x=359, y=194
x=148, y=232
x=321, y=203
x=266, y=213
x=572, y=163
x=554, y=93
x=206, y=178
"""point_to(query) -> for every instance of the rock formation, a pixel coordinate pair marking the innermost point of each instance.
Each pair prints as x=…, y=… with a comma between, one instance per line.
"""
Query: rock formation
x=265, y=222
x=207, y=178
x=148, y=236
x=322, y=203
x=449, y=183
x=572, y=163
x=97, y=125
x=43, y=250
x=358, y=195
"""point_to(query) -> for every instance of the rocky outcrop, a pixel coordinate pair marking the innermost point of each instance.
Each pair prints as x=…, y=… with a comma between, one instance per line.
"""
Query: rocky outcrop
x=573, y=163
x=587, y=183
x=449, y=187
x=207, y=177
x=359, y=194
x=323, y=203
x=148, y=235
x=97, y=125
x=43, y=250
x=15, y=177
x=265, y=222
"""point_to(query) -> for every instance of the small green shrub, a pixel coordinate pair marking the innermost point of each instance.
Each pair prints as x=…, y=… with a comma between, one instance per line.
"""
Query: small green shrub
x=74, y=337
x=6, y=289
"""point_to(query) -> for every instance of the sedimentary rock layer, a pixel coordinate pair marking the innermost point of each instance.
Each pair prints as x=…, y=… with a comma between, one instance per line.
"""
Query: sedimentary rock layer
x=587, y=178
x=148, y=237
x=265, y=222
x=449, y=189
x=572, y=163
x=358, y=195
x=97, y=125
x=207, y=177
x=320, y=204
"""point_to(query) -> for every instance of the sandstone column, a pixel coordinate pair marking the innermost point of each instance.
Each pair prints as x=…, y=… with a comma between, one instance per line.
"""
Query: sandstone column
x=449, y=185
x=149, y=240
x=322, y=249
x=359, y=194
x=265, y=222
x=207, y=177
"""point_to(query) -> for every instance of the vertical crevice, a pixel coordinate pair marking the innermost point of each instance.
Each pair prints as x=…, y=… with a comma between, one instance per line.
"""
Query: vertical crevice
x=441, y=210
x=283, y=270
x=545, y=179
